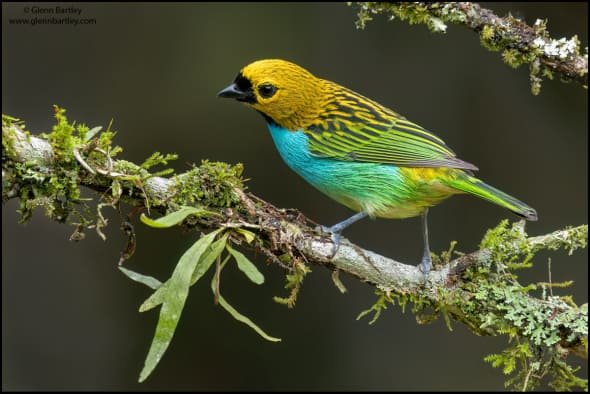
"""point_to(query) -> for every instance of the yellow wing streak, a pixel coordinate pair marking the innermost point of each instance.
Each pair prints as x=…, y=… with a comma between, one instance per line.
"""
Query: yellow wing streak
x=414, y=127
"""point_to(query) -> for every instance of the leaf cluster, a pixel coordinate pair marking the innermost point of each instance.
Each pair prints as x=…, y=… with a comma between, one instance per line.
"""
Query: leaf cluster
x=191, y=267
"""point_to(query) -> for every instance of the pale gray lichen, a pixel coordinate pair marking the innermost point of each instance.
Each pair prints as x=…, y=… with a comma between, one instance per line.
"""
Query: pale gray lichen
x=562, y=48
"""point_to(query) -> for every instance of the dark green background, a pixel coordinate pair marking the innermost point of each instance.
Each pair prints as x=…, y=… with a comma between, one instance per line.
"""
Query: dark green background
x=69, y=317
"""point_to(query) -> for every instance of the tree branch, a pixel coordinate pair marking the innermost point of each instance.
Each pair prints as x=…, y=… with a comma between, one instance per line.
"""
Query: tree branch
x=477, y=289
x=519, y=42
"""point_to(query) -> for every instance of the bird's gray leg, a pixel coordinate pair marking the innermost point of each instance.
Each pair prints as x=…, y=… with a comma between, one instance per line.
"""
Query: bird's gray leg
x=426, y=259
x=336, y=229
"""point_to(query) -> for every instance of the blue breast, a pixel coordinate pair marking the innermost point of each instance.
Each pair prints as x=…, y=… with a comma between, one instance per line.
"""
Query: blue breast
x=366, y=186
x=293, y=147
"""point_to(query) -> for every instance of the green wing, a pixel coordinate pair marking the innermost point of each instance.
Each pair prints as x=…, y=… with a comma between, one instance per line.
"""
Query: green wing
x=354, y=128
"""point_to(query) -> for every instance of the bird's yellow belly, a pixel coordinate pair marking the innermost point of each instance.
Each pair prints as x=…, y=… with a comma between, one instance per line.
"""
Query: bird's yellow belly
x=389, y=192
x=395, y=208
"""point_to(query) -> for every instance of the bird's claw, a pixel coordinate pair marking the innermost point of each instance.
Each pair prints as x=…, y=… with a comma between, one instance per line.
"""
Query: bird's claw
x=425, y=265
x=334, y=236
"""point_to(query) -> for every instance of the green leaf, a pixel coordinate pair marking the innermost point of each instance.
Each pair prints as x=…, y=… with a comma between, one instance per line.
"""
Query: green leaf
x=208, y=258
x=91, y=133
x=176, y=217
x=246, y=266
x=201, y=268
x=149, y=281
x=248, y=235
x=174, y=296
x=155, y=299
x=241, y=318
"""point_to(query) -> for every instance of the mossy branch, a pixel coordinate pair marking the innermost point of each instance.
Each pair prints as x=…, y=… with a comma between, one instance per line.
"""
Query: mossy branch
x=478, y=289
x=518, y=42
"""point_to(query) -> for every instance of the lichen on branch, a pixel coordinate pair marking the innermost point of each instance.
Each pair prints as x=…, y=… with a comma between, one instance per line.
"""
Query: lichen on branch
x=519, y=43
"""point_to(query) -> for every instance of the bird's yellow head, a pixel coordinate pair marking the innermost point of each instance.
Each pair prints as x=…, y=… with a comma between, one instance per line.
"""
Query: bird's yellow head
x=283, y=92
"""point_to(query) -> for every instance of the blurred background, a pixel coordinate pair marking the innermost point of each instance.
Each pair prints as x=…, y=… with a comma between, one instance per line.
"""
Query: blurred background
x=70, y=318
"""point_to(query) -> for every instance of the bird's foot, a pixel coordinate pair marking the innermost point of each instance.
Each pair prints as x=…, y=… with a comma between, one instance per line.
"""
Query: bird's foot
x=336, y=229
x=426, y=264
x=334, y=236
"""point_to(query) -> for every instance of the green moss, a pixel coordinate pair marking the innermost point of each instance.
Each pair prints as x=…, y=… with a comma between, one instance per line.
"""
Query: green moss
x=451, y=14
x=56, y=190
x=519, y=43
x=414, y=13
x=62, y=137
x=445, y=256
x=211, y=184
x=383, y=298
x=512, y=57
x=83, y=155
x=570, y=239
x=8, y=140
x=489, y=38
x=294, y=281
x=158, y=159
x=417, y=14
x=507, y=244
x=386, y=296
x=489, y=299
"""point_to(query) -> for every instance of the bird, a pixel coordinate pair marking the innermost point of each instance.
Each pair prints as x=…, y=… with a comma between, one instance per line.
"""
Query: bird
x=360, y=153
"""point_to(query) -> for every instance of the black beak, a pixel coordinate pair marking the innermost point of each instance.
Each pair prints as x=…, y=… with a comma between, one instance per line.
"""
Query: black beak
x=232, y=91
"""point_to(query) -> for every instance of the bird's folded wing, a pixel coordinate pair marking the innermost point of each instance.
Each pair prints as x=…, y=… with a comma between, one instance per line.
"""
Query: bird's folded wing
x=379, y=135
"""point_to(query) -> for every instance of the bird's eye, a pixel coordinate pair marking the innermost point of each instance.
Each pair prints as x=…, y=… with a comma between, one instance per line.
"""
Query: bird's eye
x=267, y=90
